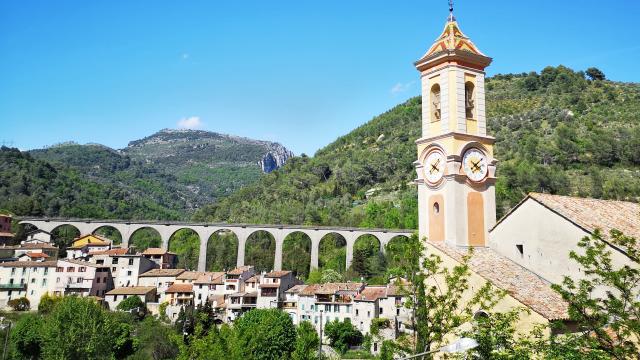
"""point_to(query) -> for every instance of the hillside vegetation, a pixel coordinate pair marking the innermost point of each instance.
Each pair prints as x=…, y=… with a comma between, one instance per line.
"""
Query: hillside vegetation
x=172, y=172
x=556, y=132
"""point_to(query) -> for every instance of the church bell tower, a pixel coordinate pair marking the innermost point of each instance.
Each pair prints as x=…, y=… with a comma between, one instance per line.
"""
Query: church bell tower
x=455, y=166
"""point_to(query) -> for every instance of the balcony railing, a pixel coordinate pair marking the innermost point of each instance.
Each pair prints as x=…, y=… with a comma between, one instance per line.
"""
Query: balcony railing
x=13, y=286
x=80, y=285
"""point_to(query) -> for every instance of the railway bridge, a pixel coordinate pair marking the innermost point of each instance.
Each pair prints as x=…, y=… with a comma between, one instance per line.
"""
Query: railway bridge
x=242, y=231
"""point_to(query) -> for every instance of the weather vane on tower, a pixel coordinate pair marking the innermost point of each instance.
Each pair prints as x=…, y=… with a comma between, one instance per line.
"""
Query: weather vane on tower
x=451, y=18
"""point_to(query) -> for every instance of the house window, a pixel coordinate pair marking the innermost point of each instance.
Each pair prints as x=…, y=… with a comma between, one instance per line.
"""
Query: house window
x=44, y=282
x=82, y=269
x=33, y=280
x=71, y=269
x=113, y=269
x=129, y=273
x=98, y=280
x=357, y=312
x=348, y=308
x=131, y=261
x=398, y=311
x=469, y=99
x=435, y=102
x=58, y=280
x=46, y=271
x=302, y=306
x=115, y=297
x=11, y=281
x=79, y=280
x=114, y=260
x=13, y=271
x=368, y=313
x=336, y=308
x=381, y=310
x=327, y=308
x=59, y=269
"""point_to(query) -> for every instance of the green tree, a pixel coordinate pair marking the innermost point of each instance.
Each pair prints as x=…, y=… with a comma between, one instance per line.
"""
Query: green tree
x=307, y=342
x=134, y=305
x=342, y=335
x=79, y=328
x=595, y=74
x=330, y=276
x=266, y=334
x=604, y=303
x=19, y=304
x=156, y=341
x=26, y=337
x=47, y=303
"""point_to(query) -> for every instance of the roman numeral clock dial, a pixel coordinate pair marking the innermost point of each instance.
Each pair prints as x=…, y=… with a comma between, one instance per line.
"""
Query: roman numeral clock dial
x=474, y=163
x=434, y=167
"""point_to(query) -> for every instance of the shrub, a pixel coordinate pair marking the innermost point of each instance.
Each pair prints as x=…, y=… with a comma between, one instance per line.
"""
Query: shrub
x=20, y=304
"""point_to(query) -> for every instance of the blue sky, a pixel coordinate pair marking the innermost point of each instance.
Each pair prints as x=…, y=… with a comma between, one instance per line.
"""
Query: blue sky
x=298, y=72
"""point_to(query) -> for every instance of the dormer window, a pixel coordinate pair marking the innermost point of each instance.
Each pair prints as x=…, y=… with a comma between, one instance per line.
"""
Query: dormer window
x=469, y=99
x=435, y=103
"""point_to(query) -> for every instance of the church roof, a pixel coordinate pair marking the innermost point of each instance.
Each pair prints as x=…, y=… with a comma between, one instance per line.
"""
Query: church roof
x=520, y=283
x=590, y=214
x=452, y=38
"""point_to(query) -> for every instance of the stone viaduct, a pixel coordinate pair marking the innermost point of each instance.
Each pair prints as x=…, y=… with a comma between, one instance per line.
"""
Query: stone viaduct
x=242, y=232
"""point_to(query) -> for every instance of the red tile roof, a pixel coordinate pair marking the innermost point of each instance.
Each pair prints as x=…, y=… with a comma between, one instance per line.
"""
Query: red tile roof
x=372, y=293
x=132, y=290
x=277, y=274
x=520, y=283
x=37, y=255
x=162, y=273
x=156, y=251
x=116, y=251
x=180, y=288
x=590, y=214
x=214, y=278
x=29, y=264
x=239, y=270
x=330, y=288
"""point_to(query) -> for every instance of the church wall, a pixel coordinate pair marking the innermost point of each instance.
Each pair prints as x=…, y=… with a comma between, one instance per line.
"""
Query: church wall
x=546, y=239
x=526, y=323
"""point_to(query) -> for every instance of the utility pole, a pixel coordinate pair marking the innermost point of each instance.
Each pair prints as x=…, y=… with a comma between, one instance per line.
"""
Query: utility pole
x=320, y=349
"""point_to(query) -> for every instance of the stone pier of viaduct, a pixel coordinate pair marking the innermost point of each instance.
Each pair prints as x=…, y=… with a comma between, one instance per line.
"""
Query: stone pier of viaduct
x=242, y=232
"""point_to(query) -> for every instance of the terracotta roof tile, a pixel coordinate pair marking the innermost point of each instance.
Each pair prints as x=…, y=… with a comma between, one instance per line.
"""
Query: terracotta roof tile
x=253, y=279
x=190, y=275
x=296, y=289
x=591, y=214
x=155, y=251
x=180, y=288
x=216, y=278
x=277, y=274
x=330, y=288
x=239, y=270
x=520, y=283
x=37, y=255
x=29, y=264
x=372, y=293
x=162, y=273
x=116, y=251
x=132, y=290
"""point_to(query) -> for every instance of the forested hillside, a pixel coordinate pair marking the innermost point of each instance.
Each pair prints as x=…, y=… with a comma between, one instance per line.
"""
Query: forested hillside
x=558, y=131
x=178, y=170
x=34, y=187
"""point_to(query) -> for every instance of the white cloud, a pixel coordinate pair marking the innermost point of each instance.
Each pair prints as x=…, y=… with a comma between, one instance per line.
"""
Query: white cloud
x=192, y=122
x=401, y=87
x=185, y=56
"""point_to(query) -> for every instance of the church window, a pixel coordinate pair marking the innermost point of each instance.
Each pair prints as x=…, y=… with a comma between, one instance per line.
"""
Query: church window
x=435, y=102
x=469, y=99
x=436, y=208
x=520, y=248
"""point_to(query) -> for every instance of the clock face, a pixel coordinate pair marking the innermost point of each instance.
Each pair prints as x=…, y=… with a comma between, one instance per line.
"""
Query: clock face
x=434, y=166
x=474, y=163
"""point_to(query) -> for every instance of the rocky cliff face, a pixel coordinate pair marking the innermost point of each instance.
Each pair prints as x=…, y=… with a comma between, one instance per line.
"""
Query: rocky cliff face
x=275, y=158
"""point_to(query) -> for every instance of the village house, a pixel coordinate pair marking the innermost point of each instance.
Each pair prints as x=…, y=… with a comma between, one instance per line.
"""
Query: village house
x=82, y=278
x=85, y=244
x=322, y=303
x=125, y=268
x=290, y=304
x=5, y=229
x=25, y=279
x=47, y=249
x=146, y=293
x=178, y=296
x=207, y=286
x=163, y=258
x=272, y=287
x=161, y=279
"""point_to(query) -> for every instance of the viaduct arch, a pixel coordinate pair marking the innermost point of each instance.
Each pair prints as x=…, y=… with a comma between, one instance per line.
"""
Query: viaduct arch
x=242, y=232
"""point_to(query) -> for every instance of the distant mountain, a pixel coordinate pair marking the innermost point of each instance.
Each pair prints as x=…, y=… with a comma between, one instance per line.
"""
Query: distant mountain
x=179, y=169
